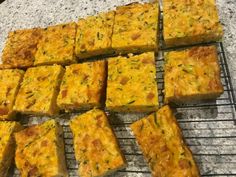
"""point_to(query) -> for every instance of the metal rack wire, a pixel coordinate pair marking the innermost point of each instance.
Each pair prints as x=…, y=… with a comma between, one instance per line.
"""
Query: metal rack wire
x=209, y=130
x=226, y=99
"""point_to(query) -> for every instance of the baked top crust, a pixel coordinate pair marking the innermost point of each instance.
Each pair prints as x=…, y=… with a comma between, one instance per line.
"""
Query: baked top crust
x=161, y=142
x=189, y=21
x=131, y=84
x=192, y=74
x=39, y=90
x=40, y=150
x=10, y=80
x=7, y=145
x=83, y=86
x=136, y=28
x=20, y=48
x=57, y=45
x=96, y=147
x=94, y=35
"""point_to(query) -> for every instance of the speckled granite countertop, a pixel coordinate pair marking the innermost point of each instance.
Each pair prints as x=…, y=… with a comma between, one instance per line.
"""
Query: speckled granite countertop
x=227, y=10
x=210, y=132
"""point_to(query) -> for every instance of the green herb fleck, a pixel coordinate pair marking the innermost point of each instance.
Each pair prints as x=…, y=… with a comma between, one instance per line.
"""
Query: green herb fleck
x=85, y=162
x=182, y=154
x=188, y=69
x=83, y=51
x=141, y=127
x=97, y=166
x=99, y=36
x=66, y=40
x=155, y=120
x=131, y=102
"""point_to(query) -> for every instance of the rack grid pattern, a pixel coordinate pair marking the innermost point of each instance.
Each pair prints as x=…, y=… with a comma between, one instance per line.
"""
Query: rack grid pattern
x=209, y=129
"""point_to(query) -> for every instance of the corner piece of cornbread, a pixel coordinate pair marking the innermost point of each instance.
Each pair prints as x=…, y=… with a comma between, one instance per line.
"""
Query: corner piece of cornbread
x=192, y=75
x=131, y=84
x=9, y=85
x=20, y=48
x=136, y=28
x=93, y=36
x=40, y=150
x=7, y=145
x=83, y=86
x=57, y=45
x=95, y=145
x=161, y=142
x=39, y=90
x=190, y=22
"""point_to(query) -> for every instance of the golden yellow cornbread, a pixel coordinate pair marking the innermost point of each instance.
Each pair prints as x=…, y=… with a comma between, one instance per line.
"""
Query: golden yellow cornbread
x=83, y=86
x=9, y=85
x=161, y=142
x=95, y=145
x=94, y=35
x=136, y=28
x=131, y=83
x=57, y=45
x=40, y=151
x=7, y=145
x=20, y=48
x=192, y=74
x=39, y=90
x=190, y=22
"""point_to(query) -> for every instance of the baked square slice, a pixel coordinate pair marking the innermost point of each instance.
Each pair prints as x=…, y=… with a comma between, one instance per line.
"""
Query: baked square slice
x=190, y=22
x=9, y=85
x=40, y=150
x=192, y=75
x=83, y=86
x=20, y=48
x=96, y=148
x=39, y=90
x=131, y=84
x=57, y=45
x=7, y=145
x=93, y=36
x=162, y=145
x=136, y=28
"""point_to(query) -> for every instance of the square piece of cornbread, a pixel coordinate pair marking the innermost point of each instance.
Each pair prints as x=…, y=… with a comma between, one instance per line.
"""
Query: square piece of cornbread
x=93, y=36
x=162, y=145
x=57, y=45
x=131, y=83
x=7, y=145
x=40, y=150
x=20, y=48
x=9, y=85
x=39, y=90
x=83, y=86
x=95, y=145
x=136, y=28
x=190, y=22
x=192, y=74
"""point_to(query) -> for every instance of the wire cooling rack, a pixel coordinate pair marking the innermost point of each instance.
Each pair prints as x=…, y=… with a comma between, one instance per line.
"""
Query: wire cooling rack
x=209, y=129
